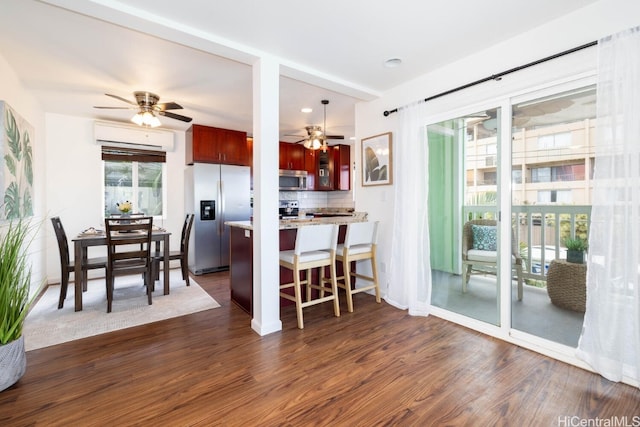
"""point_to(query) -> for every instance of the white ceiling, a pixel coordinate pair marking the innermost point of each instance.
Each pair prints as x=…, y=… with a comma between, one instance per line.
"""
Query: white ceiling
x=69, y=53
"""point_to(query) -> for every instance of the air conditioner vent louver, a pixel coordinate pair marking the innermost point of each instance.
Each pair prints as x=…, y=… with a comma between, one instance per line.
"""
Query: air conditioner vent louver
x=119, y=135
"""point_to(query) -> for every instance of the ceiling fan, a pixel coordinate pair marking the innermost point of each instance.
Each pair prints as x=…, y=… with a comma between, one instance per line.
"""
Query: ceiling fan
x=316, y=136
x=148, y=107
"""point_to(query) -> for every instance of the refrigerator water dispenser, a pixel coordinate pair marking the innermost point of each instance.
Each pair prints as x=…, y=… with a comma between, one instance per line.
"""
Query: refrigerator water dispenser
x=207, y=210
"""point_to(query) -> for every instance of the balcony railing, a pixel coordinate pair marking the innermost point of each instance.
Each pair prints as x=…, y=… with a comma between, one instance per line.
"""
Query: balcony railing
x=540, y=231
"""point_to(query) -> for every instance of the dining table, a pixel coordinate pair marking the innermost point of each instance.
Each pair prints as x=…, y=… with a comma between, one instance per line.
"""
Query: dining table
x=98, y=238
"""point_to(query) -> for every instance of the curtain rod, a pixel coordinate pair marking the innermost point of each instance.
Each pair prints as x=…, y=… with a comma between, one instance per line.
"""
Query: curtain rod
x=498, y=76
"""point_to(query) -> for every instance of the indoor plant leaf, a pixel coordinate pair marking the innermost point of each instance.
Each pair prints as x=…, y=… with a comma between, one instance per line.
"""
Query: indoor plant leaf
x=15, y=279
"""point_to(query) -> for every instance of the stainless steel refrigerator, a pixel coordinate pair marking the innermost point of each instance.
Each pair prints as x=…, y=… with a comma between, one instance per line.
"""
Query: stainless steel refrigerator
x=215, y=193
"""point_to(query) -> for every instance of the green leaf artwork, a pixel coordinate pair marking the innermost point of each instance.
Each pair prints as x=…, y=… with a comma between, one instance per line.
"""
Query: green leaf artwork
x=16, y=182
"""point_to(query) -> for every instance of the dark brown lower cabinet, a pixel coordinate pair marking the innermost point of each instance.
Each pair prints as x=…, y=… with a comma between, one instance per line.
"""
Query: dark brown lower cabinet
x=241, y=265
x=241, y=268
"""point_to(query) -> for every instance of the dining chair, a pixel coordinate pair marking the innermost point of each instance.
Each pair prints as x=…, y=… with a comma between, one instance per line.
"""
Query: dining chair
x=360, y=244
x=182, y=254
x=315, y=247
x=128, y=252
x=67, y=266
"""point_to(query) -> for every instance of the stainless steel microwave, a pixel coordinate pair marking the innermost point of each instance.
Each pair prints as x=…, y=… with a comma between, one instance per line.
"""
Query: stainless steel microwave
x=290, y=180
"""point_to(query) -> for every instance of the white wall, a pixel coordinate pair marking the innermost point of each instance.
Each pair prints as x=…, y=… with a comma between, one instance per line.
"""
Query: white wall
x=583, y=26
x=13, y=92
x=67, y=176
x=74, y=185
x=67, y=164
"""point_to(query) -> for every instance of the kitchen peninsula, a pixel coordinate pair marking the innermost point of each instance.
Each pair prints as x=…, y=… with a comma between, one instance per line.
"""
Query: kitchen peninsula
x=241, y=249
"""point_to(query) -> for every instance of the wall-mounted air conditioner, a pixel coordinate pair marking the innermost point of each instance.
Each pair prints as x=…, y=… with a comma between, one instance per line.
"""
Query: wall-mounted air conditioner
x=120, y=135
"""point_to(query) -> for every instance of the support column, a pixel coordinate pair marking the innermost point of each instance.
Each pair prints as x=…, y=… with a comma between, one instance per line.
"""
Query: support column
x=266, y=269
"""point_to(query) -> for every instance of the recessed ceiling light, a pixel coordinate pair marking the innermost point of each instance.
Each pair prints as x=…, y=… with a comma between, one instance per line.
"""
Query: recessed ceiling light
x=393, y=62
x=306, y=110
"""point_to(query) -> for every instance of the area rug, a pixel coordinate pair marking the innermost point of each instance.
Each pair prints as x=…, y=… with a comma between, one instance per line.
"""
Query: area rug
x=46, y=325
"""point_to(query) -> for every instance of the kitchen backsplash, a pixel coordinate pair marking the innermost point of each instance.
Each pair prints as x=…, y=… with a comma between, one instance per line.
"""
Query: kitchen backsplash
x=320, y=199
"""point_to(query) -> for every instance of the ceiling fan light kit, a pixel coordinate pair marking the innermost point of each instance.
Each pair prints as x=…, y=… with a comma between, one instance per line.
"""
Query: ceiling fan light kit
x=317, y=136
x=313, y=143
x=149, y=109
x=146, y=118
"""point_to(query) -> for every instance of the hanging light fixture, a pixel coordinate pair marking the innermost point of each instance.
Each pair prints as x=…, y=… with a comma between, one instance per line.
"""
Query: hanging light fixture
x=314, y=141
x=145, y=117
x=317, y=137
x=324, y=125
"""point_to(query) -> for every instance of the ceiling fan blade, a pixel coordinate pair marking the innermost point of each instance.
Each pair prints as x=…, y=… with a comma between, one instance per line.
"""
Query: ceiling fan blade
x=175, y=116
x=334, y=136
x=121, y=99
x=168, y=106
x=115, y=108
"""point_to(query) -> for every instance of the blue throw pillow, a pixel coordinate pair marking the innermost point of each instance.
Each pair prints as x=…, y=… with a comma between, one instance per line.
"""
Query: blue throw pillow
x=484, y=237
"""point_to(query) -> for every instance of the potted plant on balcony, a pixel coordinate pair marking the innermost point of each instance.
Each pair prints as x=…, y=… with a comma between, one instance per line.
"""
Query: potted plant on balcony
x=15, y=281
x=575, y=250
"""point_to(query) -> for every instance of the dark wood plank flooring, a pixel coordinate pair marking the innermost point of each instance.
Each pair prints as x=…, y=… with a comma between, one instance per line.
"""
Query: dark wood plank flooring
x=374, y=367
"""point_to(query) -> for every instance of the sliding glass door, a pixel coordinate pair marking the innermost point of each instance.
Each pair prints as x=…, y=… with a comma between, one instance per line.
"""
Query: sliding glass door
x=502, y=209
x=552, y=167
x=463, y=211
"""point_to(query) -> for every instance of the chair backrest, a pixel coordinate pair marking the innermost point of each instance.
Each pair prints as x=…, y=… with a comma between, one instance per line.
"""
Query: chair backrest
x=467, y=232
x=128, y=239
x=63, y=244
x=467, y=236
x=323, y=237
x=361, y=233
x=186, y=232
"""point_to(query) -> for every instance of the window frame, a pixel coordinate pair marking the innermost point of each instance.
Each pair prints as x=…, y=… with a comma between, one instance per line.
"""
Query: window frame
x=135, y=156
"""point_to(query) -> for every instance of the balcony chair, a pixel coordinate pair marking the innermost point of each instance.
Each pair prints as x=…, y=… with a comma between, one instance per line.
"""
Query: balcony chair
x=315, y=247
x=66, y=266
x=359, y=244
x=182, y=254
x=128, y=252
x=484, y=257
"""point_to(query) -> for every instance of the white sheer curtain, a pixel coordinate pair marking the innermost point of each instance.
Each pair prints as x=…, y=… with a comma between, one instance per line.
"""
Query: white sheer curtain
x=610, y=341
x=410, y=270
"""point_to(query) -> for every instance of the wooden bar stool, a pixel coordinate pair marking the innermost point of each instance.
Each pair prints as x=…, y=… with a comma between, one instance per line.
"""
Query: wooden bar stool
x=315, y=247
x=359, y=244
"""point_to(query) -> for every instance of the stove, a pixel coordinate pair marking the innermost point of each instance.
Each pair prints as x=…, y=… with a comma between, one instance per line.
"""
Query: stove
x=288, y=209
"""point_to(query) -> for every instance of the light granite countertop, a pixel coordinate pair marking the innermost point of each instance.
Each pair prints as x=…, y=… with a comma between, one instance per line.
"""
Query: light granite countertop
x=298, y=222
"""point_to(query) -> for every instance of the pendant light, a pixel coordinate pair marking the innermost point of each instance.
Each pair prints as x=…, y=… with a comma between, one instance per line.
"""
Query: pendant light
x=324, y=128
x=317, y=135
x=314, y=141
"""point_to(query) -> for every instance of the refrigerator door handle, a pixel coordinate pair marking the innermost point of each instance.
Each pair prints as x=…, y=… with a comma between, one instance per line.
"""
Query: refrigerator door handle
x=221, y=207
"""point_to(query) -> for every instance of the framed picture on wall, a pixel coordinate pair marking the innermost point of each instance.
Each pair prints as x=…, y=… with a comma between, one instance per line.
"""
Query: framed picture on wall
x=16, y=164
x=377, y=160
